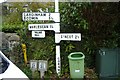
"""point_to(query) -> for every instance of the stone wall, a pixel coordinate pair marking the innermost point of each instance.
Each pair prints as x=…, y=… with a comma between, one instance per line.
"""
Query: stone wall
x=9, y=40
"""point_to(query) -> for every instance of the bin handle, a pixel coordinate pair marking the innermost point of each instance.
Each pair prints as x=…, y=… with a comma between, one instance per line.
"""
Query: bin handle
x=102, y=53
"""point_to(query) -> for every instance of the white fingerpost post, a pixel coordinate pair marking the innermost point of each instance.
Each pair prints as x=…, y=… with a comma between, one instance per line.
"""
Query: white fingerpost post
x=58, y=62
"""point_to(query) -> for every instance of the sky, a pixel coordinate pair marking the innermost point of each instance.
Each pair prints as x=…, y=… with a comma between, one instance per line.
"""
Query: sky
x=2, y=1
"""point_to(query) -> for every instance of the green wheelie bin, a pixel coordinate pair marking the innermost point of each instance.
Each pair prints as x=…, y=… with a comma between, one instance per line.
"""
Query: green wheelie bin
x=76, y=65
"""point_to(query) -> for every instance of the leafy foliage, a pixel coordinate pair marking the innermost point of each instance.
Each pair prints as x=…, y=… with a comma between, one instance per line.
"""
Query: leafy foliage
x=71, y=15
x=12, y=13
x=97, y=22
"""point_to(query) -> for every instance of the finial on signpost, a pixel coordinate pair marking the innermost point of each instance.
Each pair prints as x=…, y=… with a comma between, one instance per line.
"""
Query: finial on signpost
x=56, y=6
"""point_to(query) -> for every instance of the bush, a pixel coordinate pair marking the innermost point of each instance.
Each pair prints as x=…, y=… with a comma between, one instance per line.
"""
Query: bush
x=11, y=28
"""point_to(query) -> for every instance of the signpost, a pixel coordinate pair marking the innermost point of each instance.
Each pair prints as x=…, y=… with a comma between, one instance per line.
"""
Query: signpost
x=51, y=26
x=35, y=16
x=42, y=67
x=38, y=31
x=38, y=34
x=58, y=61
x=67, y=36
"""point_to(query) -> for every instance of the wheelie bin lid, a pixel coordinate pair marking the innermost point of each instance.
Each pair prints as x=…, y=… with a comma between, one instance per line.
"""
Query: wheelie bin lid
x=76, y=55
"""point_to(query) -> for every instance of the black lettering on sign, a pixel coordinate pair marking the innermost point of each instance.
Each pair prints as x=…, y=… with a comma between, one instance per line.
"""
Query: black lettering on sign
x=38, y=26
x=34, y=14
x=26, y=18
x=58, y=69
x=61, y=36
x=44, y=14
x=26, y=15
x=30, y=18
x=40, y=32
x=37, y=14
x=41, y=14
x=35, y=17
x=46, y=26
x=36, y=34
x=69, y=36
x=51, y=26
x=40, y=65
x=65, y=36
x=76, y=37
x=33, y=65
x=58, y=59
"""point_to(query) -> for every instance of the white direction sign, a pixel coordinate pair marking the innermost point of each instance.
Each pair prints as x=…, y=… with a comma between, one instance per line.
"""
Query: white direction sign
x=42, y=65
x=33, y=65
x=38, y=34
x=67, y=36
x=51, y=26
x=35, y=16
